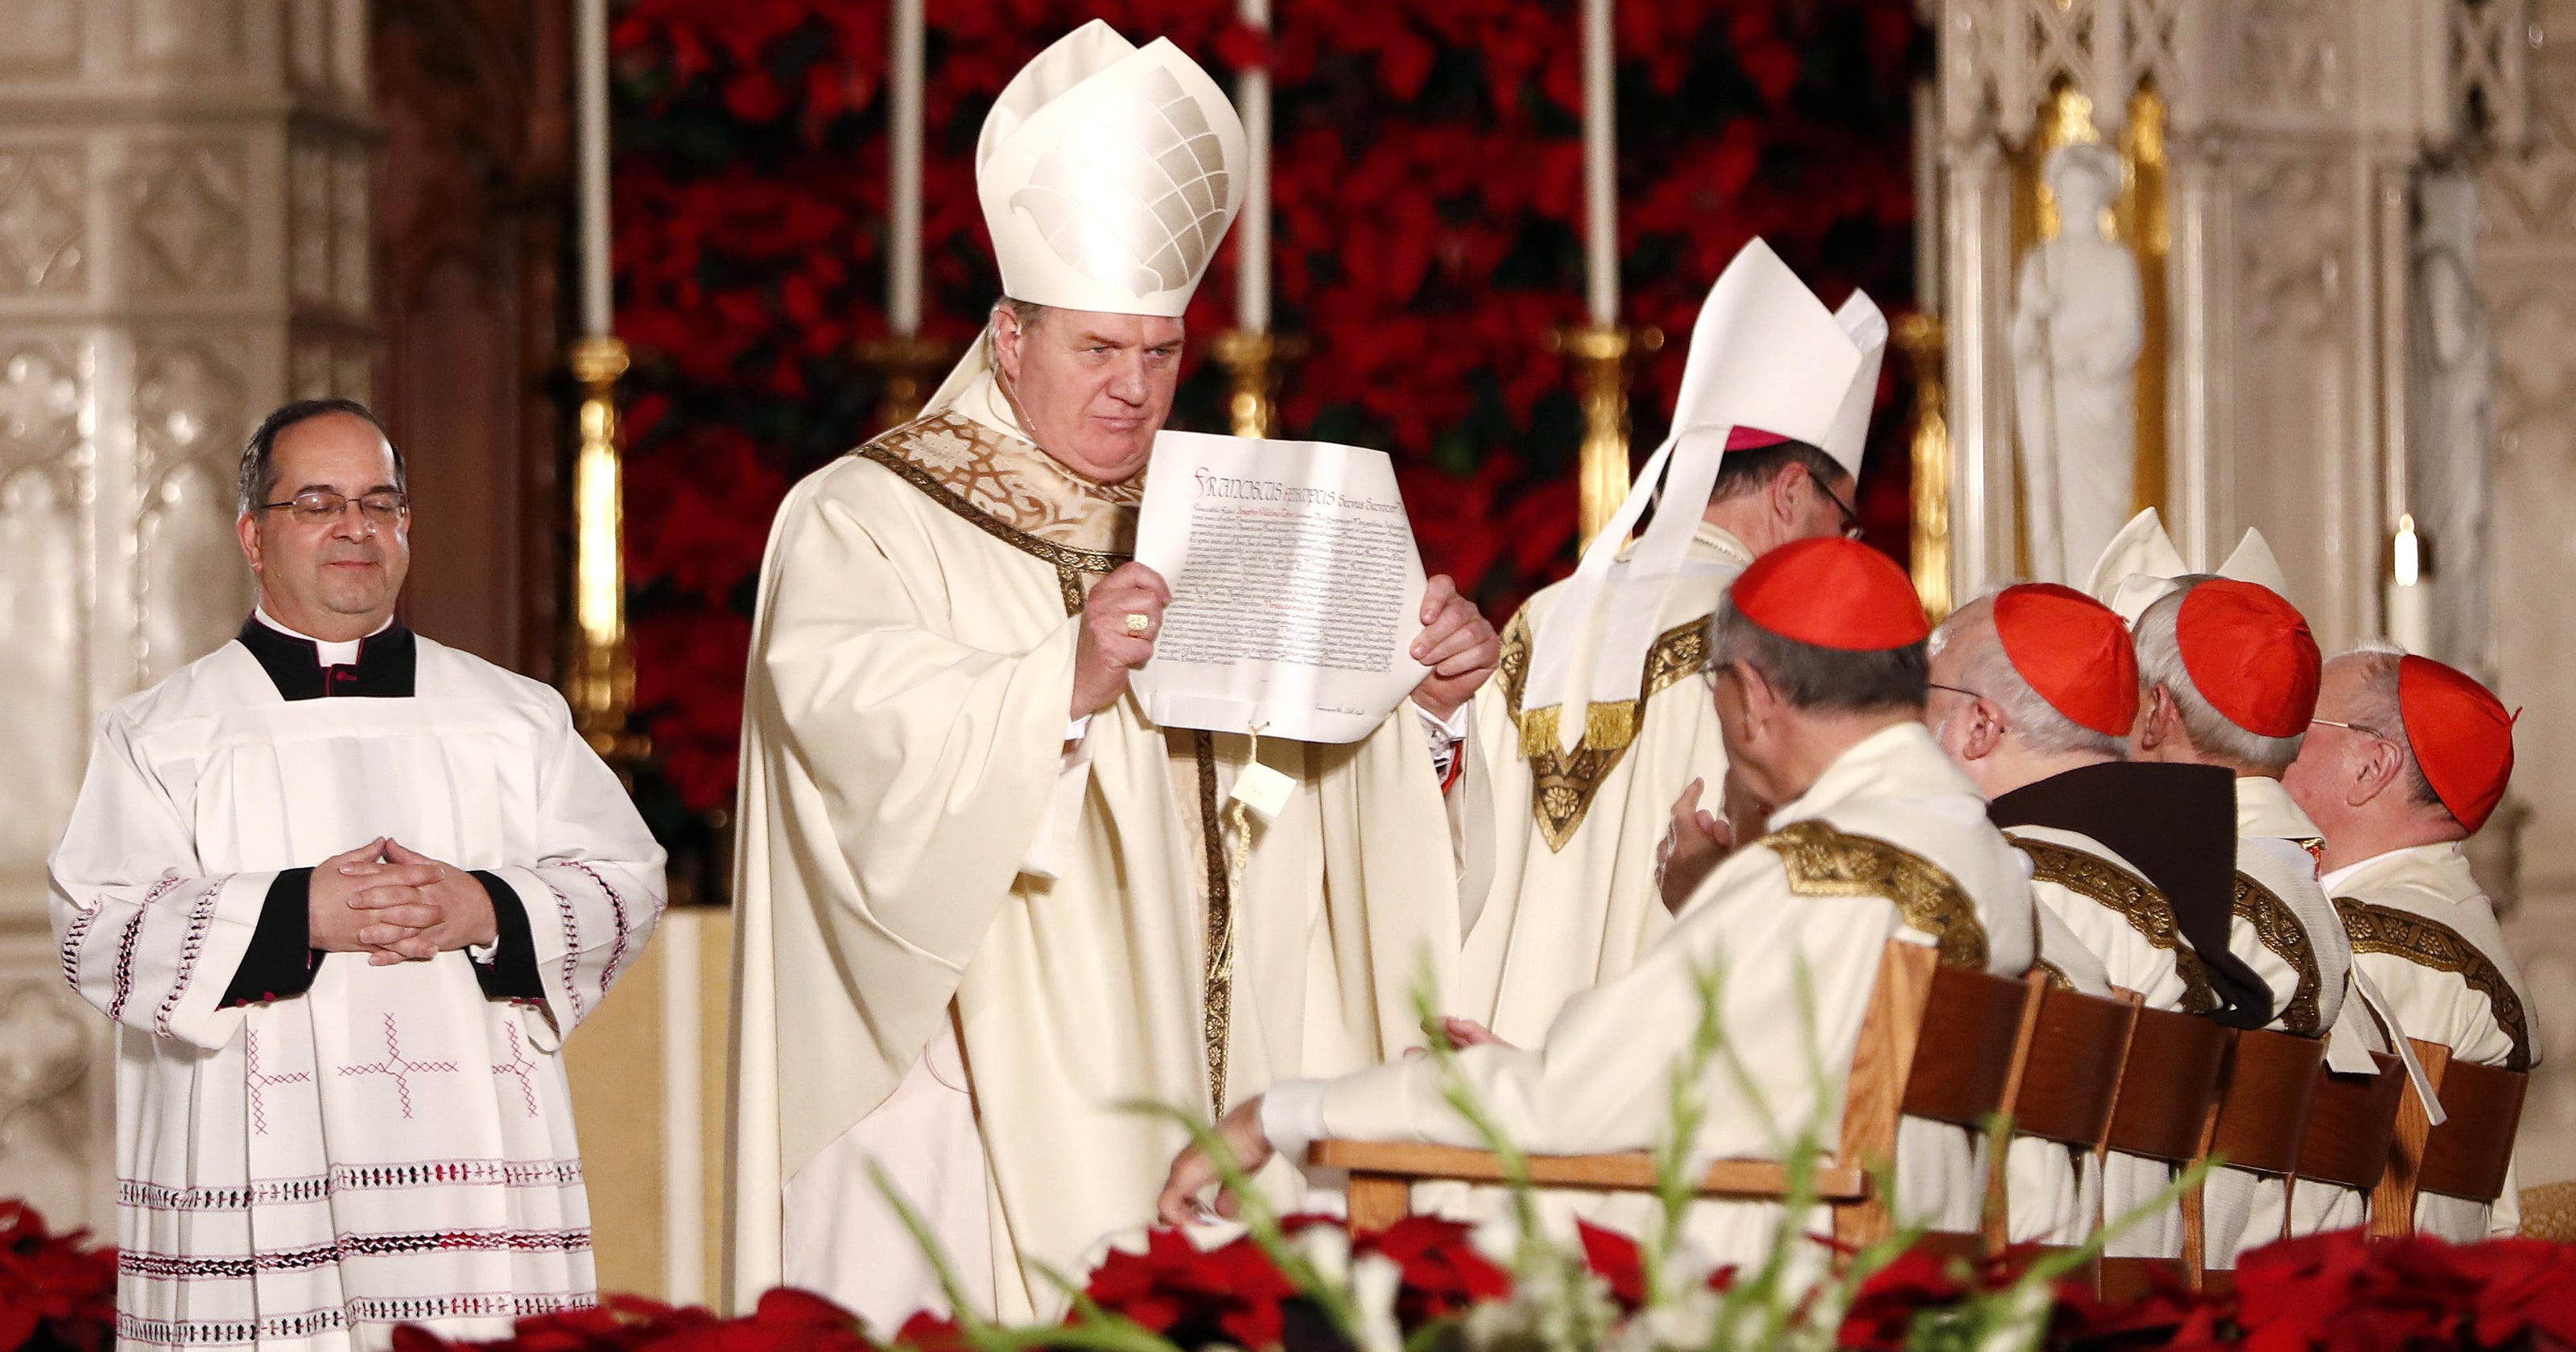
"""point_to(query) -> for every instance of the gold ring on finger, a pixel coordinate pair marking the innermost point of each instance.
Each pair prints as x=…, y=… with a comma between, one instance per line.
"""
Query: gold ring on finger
x=1138, y=623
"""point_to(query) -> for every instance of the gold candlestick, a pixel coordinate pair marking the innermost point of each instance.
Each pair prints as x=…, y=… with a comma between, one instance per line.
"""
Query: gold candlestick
x=1254, y=361
x=911, y=366
x=1921, y=339
x=599, y=681
x=1600, y=353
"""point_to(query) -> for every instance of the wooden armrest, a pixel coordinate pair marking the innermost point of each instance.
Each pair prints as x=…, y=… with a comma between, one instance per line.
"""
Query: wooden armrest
x=1631, y=1172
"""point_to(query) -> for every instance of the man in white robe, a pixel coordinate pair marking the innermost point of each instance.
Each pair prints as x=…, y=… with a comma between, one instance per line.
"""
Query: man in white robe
x=344, y=890
x=1599, y=722
x=2034, y=692
x=984, y=905
x=2407, y=760
x=1819, y=685
x=2230, y=676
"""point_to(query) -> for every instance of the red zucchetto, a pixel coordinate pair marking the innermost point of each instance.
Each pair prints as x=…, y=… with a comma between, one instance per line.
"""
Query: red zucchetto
x=2462, y=737
x=2074, y=651
x=1832, y=593
x=2251, y=655
x=1752, y=439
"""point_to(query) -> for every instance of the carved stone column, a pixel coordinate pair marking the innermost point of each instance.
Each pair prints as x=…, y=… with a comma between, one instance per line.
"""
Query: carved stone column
x=184, y=243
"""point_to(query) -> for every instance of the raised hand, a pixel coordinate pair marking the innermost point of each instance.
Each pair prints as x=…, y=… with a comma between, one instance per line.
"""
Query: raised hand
x=1458, y=645
x=1693, y=846
x=1112, y=644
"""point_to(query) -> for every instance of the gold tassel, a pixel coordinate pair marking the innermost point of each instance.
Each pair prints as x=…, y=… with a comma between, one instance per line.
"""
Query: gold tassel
x=1538, y=732
x=1608, y=727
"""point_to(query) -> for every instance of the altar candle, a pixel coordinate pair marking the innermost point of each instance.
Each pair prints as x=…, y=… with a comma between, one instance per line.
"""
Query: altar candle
x=1600, y=166
x=591, y=90
x=1252, y=231
x=903, y=196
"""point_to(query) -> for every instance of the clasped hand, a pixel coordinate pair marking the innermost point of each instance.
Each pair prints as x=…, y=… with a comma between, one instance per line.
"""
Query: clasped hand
x=395, y=904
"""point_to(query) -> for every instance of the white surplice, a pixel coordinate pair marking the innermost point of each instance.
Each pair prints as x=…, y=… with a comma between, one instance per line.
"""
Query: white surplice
x=392, y=1144
x=1573, y=901
x=1600, y=1079
x=2425, y=935
x=920, y=857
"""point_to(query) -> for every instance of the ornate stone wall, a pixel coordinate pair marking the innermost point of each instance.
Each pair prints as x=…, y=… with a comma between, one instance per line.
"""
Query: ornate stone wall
x=185, y=242
x=2526, y=269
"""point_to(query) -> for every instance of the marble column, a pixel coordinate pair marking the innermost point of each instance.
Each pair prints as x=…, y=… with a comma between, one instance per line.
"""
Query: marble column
x=185, y=243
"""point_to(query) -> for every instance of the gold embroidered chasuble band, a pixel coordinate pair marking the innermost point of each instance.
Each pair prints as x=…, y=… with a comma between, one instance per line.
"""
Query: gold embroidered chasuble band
x=1027, y=499
x=1825, y=862
x=1564, y=782
x=2427, y=942
x=2131, y=898
x=2278, y=927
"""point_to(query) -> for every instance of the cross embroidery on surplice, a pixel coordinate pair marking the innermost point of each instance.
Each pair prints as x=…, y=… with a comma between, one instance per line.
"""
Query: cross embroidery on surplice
x=398, y=1066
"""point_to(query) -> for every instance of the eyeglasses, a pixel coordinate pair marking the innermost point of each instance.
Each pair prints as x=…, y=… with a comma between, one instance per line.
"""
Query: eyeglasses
x=1851, y=518
x=316, y=508
x=1955, y=689
x=2363, y=728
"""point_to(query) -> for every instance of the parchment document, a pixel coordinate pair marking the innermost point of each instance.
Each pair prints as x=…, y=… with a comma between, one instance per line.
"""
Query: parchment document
x=1296, y=588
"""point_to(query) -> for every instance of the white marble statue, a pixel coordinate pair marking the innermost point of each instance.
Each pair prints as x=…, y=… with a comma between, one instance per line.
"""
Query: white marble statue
x=2078, y=323
x=2452, y=465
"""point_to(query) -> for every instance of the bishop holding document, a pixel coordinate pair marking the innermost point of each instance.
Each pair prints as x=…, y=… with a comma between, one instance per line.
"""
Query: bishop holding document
x=984, y=902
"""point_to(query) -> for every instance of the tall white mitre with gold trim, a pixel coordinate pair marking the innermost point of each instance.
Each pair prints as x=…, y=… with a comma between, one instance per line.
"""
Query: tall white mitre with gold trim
x=2141, y=566
x=1108, y=174
x=1765, y=354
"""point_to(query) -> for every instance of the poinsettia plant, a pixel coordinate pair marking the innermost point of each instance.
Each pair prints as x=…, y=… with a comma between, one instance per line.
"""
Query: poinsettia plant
x=57, y=1291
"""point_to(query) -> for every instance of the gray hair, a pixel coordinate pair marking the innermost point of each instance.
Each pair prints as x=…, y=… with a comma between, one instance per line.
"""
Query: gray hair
x=2160, y=664
x=1027, y=312
x=258, y=475
x=1988, y=670
x=1821, y=679
x=2383, y=711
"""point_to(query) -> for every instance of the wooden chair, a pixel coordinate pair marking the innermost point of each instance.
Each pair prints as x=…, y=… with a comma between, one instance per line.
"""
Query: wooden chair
x=2468, y=1156
x=1960, y=1076
x=2176, y=1063
x=2068, y=1085
x=2258, y=1124
x=2352, y=1123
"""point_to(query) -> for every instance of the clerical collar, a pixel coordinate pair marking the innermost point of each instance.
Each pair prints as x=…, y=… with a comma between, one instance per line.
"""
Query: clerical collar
x=379, y=666
x=2174, y=823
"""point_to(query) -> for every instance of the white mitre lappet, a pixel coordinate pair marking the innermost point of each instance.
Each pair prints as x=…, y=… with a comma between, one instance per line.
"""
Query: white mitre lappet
x=1108, y=174
x=2138, y=568
x=1765, y=355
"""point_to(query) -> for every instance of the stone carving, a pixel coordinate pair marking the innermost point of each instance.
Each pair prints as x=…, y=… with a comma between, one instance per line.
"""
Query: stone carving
x=42, y=230
x=185, y=217
x=193, y=36
x=2294, y=236
x=2290, y=53
x=191, y=415
x=2078, y=324
x=44, y=38
x=352, y=275
x=2452, y=472
x=47, y=1042
x=40, y=401
x=308, y=221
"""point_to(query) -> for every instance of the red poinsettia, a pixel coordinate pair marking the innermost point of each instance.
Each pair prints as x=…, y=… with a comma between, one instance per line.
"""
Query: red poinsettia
x=1443, y=1273
x=59, y=1287
x=1193, y=1295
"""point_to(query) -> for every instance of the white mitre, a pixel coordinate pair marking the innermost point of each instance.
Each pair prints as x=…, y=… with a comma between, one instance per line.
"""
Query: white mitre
x=1764, y=354
x=1108, y=173
x=2139, y=567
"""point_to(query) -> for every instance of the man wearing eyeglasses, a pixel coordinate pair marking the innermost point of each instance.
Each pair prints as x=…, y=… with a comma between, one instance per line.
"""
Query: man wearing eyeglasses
x=1601, y=718
x=343, y=890
x=2404, y=760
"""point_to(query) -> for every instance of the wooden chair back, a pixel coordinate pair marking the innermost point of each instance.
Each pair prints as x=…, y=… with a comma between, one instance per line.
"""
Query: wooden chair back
x=2392, y=1203
x=1965, y=1066
x=2351, y=1124
x=2175, y=1065
x=2070, y=1077
x=2262, y=1114
x=2469, y=1155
